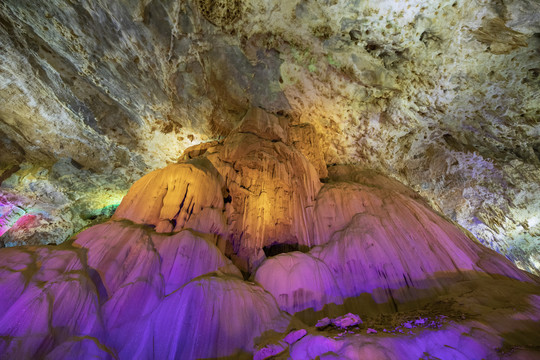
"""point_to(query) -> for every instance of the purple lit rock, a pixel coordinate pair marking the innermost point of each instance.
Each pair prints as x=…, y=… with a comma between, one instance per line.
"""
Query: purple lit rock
x=126, y=266
x=121, y=253
x=396, y=242
x=469, y=341
x=81, y=348
x=129, y=302
x=323, y=322
x=13, y=262
x=346, y=321
x=294, y=336
x=407, y=325
x=269, y=351
x=336, y=205
x=298, y=281
x=138, y=267
x=184, y=256
x=54, y=262
x=212, y=316
x=311, y=346
x=59, y=301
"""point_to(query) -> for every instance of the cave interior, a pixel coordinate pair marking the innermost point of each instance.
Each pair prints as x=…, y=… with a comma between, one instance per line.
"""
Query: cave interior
x=270, y=179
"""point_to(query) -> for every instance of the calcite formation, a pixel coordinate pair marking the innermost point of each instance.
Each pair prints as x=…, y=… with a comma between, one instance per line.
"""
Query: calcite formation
x=299, y=281
x=119, y=285
x=154, y=199
x=253, y=189
x=185, y=268
x=271, y=184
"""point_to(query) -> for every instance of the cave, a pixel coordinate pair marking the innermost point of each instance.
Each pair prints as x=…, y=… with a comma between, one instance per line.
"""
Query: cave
x=227, y=179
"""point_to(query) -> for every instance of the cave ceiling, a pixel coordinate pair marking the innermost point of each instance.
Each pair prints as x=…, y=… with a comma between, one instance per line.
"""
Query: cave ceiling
x=443, y=96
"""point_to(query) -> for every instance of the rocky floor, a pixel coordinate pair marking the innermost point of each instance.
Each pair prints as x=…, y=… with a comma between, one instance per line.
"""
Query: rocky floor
x=482, y=319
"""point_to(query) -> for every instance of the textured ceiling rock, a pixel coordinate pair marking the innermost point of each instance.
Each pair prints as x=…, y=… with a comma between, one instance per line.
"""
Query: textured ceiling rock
x=442, y=95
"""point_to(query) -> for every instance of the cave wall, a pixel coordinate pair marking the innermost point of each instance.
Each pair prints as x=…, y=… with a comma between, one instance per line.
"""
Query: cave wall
x=442, y=96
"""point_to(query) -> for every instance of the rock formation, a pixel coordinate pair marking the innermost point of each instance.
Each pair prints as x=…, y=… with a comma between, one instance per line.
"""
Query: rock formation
x=271, y=184
x=165, y=277
x=154, y=199
x=299, y=281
